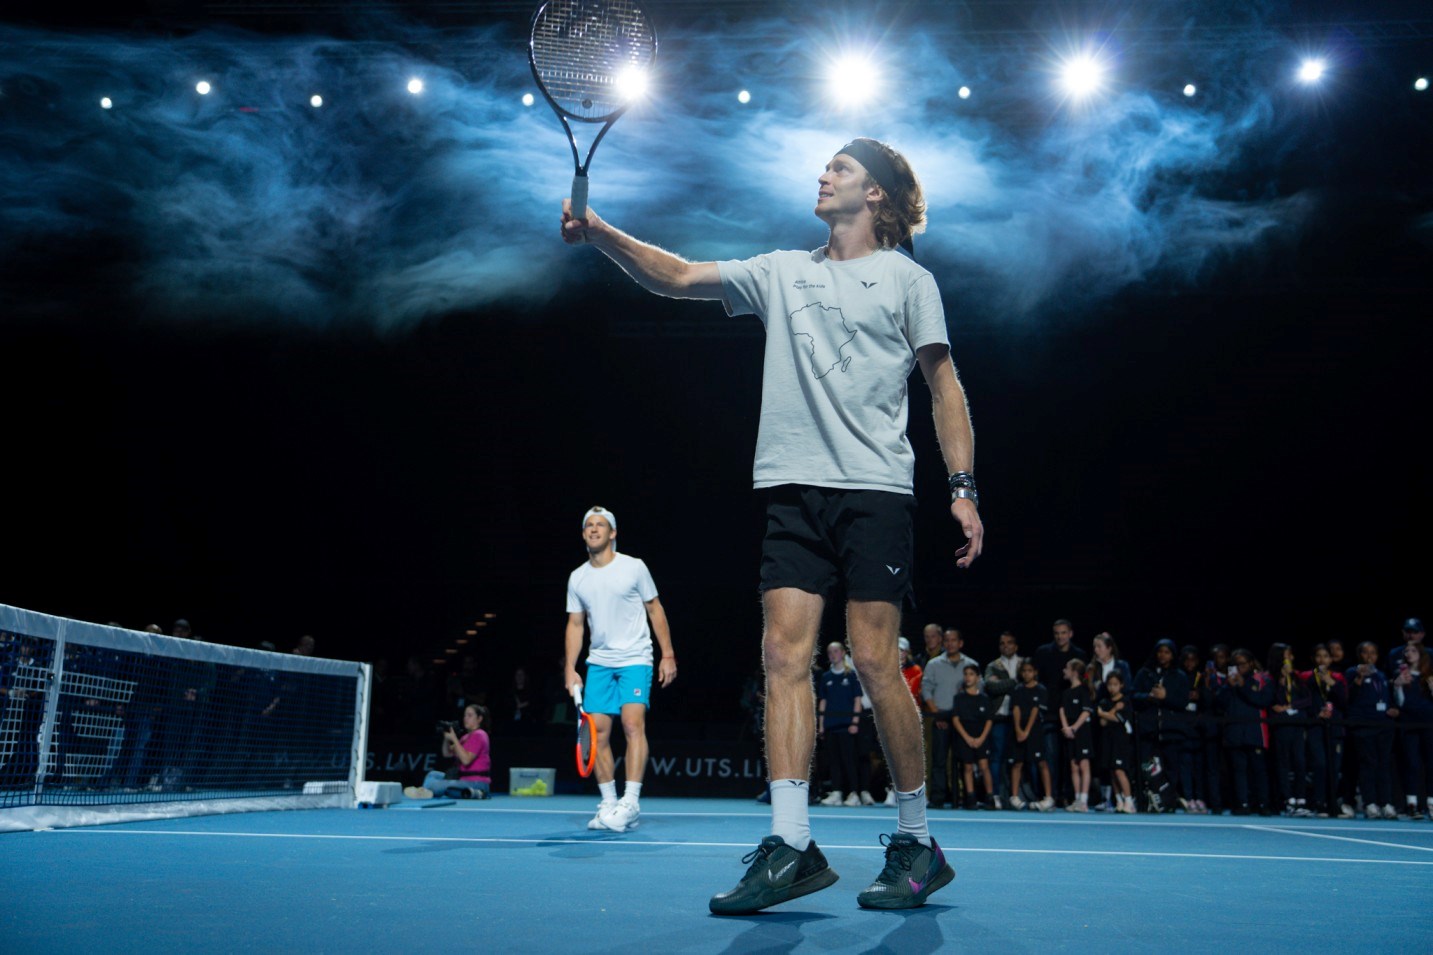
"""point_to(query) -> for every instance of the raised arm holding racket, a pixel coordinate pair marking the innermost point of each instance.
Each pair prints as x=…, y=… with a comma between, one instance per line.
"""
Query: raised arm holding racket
x=590, y=59
x=613, y=596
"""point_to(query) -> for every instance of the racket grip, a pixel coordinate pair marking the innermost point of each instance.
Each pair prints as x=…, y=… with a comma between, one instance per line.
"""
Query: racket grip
x=579, y=196
x=577, y=691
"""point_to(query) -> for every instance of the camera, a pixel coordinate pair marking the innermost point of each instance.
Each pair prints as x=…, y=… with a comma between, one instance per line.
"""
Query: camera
x=445, y=725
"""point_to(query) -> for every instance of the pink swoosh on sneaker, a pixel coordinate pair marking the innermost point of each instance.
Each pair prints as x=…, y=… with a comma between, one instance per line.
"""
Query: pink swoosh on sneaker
x=916, y=886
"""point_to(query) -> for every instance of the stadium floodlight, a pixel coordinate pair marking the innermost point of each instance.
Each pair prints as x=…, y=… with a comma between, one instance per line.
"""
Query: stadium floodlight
x=415, y=86
x=744, y=97
x=1421, y=84
x=1190, y=89
x=854, y=80
x=1082, y=75
x=106, y=103
x=527, y=99
x=964, y=92
x=1312, y=70
x=203, y=88
x=315, y=101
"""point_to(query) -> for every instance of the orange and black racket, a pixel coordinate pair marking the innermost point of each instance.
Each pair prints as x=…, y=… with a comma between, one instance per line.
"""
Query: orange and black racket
x=586, y=735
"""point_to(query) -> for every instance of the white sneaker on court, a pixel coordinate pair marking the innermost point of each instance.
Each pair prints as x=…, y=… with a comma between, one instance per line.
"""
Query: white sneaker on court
x=867, y=799
x=853, y=800
x=1046, y=804
x=596, y=821
x=1016, y=802
x=622, y=817
x=832, y=799
x=891, y=801
x=418, y=792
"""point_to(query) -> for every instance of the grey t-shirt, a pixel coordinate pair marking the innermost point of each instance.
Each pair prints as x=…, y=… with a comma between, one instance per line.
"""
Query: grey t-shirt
x=841, y=341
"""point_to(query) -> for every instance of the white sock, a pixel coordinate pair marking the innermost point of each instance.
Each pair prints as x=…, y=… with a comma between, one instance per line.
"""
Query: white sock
x=1084, y=798
x=608, y=791
x=632, y=792
x=790, y=818
x=910, y=815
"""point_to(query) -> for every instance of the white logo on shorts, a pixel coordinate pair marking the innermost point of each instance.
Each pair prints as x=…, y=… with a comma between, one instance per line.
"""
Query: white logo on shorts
x=637, y=691
x=893, y=570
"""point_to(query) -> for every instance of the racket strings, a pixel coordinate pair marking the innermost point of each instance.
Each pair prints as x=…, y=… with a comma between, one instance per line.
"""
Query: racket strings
x=580, y=50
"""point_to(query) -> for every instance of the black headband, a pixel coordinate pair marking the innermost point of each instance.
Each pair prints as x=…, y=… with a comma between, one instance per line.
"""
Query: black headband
x=876, y=163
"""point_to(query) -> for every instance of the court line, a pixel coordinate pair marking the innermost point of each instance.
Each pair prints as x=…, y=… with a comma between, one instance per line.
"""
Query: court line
x=632, y=843
x=1320, y=835
x=1162, y=821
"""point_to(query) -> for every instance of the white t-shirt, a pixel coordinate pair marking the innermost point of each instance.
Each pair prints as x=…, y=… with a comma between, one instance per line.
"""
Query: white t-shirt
x=614, y=598
x=841, y=341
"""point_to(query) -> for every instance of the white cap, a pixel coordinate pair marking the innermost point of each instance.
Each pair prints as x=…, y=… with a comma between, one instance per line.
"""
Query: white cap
x=904, y=644
x=603, y=513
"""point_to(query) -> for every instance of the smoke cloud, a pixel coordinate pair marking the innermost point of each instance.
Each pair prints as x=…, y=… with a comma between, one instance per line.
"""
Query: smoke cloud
x=383, y=208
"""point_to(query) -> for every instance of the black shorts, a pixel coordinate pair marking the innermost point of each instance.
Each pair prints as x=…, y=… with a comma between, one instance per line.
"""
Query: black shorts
x=965, y=753
x=1082, y=745
x=1031, y=751
x=818, y=538
x=1116, y=748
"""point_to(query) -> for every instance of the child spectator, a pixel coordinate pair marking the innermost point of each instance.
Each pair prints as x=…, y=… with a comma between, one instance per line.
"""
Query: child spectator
x=972, y=719
x=1028, y=704
x=1413, y=692
x=1076, y=707
x=1371, y=715
x=1288, y=716
x=1117, y=733
x=1242, y=701
x=1328, y=694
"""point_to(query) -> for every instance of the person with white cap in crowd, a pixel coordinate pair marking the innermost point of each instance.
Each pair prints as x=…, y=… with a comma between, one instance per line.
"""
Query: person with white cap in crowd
x=613, y=596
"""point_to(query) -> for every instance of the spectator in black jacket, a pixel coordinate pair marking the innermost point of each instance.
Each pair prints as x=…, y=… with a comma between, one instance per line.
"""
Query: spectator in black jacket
x=1288, y=721
x=1370, y=715
x=1161, y=691
x=1241, y=702
x=1199, y=754
x=1413, y=693
x=1328, y=696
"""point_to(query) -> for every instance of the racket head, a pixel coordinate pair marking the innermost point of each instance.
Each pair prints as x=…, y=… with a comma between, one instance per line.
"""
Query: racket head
x=579, y=51
x=586, y=744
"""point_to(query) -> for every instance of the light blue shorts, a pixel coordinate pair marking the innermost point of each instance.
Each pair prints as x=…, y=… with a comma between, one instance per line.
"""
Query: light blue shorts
x=608, y=688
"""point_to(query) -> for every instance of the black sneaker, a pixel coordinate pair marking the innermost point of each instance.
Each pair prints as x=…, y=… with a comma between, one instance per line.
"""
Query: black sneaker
x=778, y=873
x=911, y=874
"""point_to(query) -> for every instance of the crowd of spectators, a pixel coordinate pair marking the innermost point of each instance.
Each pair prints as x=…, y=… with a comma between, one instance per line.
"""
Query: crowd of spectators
x=1331, y=730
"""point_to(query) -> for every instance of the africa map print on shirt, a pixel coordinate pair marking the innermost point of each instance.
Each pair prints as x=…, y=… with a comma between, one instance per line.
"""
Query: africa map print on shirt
x=826, y=334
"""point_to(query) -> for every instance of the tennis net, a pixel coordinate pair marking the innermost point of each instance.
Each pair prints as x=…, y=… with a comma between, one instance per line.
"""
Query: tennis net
x=102, y=724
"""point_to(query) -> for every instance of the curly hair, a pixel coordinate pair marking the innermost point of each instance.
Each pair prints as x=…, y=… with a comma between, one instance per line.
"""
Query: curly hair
x=902, y=213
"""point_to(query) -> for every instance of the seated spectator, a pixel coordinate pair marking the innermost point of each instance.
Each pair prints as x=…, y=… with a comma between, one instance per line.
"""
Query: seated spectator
x=472, y=761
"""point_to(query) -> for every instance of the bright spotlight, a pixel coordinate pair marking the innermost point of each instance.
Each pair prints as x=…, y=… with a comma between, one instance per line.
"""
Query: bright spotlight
x=1189, y=89
x=964, y=92
x=315, y=101
x=1312, y=70
x=743, y=97
x=1421, y=84
x=1082, y=75
x=203, y=88
x=527, y=99
x=415, y=86
x=106, y=103
x=854, y=80
x=632, y=83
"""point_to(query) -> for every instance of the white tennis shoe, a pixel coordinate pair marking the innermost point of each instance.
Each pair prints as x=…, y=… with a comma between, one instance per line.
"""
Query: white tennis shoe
x=623, y=816
x=602, y=809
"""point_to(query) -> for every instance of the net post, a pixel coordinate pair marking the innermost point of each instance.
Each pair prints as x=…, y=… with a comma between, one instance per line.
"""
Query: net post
x=52, y=707
x=358, y=765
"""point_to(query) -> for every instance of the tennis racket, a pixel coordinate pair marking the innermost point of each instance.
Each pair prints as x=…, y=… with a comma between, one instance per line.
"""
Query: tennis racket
x=586, y=735
x=584, y=56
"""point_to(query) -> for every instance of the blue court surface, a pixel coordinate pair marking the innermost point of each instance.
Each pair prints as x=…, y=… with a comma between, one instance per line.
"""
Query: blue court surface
x=525, y=875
